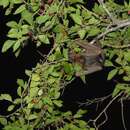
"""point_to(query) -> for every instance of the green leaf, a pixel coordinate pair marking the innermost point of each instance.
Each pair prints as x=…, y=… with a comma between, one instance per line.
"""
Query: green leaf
x=42, y=19
x=108, y=63
x=6, y=97
x=53, y=8
x=20, y=9
x=8, y=44
x=44, y=39
x=51, y=80
x=112, y=74
x=47, y=100
x=127, y=56
x=17, y=1
x=75, y=1
x=77, y=18
x=35, y=77
x=117, y=89
x=28, y=72
x=3, y=121
x=67, y=114
x=8, y=11
x=126, y=78
x=57, y=95
x=27, y=16
x=17, y=52
x=92, y=128
x=68, y=68
x=19, y=91
x=58, y=103
x=94, y=31
x=11, y=107
x=17, y=101
x=93, y=21
x=40, y=92
x=34, y=84
x=14, y=33
x=82, y=33
x=25, y=29
x=79, y=113
x=121, y=71
x=20, y=82
x=16, y=45
x=55, y=74
x=98, y=9
x=12, y=24
x=65, y=53
x=33, y=91
x=127, y=69
x=32, y=116
x=4, y=3
x=86, y=14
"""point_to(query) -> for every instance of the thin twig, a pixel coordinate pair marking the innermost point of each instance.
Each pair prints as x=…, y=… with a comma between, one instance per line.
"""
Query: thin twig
x=104, y=110
x=96, y=100
x=106, y=10
x=106, y=118
x=122, y=114
x=118, y=47
x=112, y=29
x=107, y=106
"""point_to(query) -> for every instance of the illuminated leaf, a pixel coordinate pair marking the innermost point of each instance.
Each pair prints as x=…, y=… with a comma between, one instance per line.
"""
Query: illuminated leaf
x=108, y=63
x=112, y=74
x=35, y=77
x=20, y=9
x=11, y=107
x=16, y=45
x=19, y=91
x=77, y=18
x=117, y=89
x=20, y=82
x=11, y=24
x=82, y=33
x=27, y=16
x=7, y=45
x=127, y=56
x=32, y=116
x=4, y=3
x=94, y=31
x=42, y=19
x=6, y=97
x=44, y=39
x=3, y=121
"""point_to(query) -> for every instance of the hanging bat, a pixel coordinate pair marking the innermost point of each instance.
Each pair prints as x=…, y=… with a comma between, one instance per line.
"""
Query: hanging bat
x=91, y=60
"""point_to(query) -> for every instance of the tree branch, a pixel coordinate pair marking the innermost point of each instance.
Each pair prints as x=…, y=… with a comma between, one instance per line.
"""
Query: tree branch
x=112, y=29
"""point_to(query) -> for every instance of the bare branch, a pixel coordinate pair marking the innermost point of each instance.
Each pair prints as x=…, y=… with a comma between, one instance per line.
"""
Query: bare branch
x=107, y=11
x=112, y=29
x=104, y=111
x=106, y=118
x=118, y=47
x=122, y=114
x=96, y=100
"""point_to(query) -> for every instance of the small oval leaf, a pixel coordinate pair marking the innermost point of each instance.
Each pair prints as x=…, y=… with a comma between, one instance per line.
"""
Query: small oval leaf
x=8, y=44
x=112, y=74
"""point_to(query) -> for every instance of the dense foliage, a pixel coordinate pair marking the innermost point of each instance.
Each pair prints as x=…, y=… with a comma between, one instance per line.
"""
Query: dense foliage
x=59, y=24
